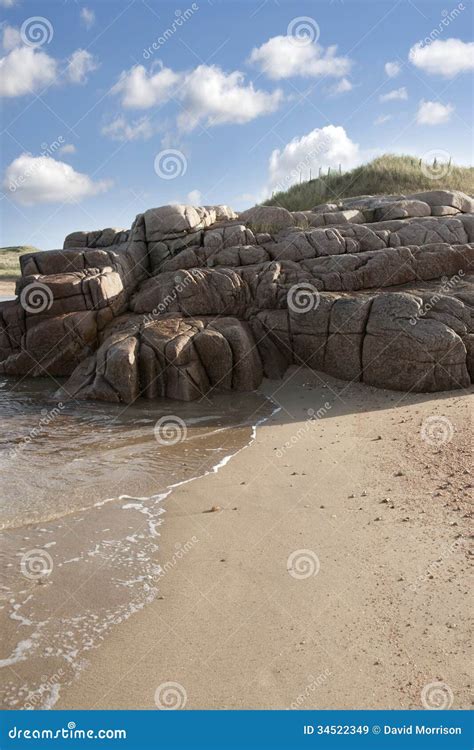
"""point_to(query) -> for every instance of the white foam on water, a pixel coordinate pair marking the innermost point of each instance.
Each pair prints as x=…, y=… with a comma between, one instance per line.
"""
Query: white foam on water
x=87, y=630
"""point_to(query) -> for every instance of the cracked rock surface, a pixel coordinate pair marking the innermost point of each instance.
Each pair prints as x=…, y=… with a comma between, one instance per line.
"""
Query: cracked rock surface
x=377, y=289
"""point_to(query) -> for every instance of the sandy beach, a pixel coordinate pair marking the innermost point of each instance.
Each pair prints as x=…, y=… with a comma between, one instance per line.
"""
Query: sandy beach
x=323, y=566
x=7, y=288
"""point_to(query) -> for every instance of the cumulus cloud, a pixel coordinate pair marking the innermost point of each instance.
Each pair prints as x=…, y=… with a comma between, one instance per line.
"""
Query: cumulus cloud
x=322, y=147
x=284, y=57
x=140, y=89
x=121, y=130
x=433, y=113
x=206, y=94
x=25, y=70
x=446, y=57
x=87, y=17
x=42, y=179
x=392, y=69
x=81, y=63
x=209, y=95
x=342, y=87
x=395, y=95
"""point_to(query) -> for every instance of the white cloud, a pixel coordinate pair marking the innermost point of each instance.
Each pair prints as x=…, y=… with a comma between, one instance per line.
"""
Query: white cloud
x=41, y=179
x=282, y=57
x=11, y=38
x=87, y=17
x=140, y=89
x=120, y=130
x=446, y=57
x=7, y=3
x=382, y=119
x=392, y=69
x=395, y=95
x=342, y=87
x=68, y=148
x=194, y=198
x=25, y=70
x=433, y=113
x=209, y=95
x=80, y=64
x=322, y=147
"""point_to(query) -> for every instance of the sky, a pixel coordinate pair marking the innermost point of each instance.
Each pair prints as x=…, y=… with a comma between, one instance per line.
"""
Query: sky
x=111, y=107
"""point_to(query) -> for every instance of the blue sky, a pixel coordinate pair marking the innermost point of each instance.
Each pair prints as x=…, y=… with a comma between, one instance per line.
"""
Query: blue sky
x=245, y=94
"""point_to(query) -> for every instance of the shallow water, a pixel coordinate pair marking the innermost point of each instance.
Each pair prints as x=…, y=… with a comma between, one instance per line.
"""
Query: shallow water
x=82, y=490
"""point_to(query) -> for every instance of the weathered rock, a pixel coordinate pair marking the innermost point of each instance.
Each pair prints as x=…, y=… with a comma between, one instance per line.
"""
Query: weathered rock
x=267, y=219
x=454, y=198
x=400, y=210
x=193, y=299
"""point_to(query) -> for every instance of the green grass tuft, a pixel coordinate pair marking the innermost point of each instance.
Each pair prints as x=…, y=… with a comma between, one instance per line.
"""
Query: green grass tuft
x=388, y=174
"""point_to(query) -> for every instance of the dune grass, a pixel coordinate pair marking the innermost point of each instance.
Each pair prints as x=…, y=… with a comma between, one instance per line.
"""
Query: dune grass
x=388, y=174
x=10, y=261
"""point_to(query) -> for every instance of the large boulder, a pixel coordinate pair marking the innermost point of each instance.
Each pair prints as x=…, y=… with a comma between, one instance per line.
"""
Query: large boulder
x=194, y=299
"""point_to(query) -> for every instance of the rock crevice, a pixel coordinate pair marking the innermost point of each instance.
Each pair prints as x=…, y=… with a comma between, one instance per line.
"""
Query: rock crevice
x=377, y=289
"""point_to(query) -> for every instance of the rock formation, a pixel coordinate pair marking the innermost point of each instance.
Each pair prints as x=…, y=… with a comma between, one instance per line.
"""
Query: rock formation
x=191, y=299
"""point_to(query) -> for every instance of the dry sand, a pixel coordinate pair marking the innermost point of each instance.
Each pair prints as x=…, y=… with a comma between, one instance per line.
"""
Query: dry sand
x=7, y=288
x=375, y=608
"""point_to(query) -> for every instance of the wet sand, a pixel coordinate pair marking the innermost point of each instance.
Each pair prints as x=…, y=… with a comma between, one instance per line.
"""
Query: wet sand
x=331, y=572
x=83, y=489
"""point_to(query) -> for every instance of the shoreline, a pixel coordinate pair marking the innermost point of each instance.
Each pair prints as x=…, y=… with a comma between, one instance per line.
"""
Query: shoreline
x=100, y=558
x=321, y=561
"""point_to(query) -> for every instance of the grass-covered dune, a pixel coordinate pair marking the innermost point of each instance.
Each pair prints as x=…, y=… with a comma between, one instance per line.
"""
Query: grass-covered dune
x=10, y=261
x=388, y=174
